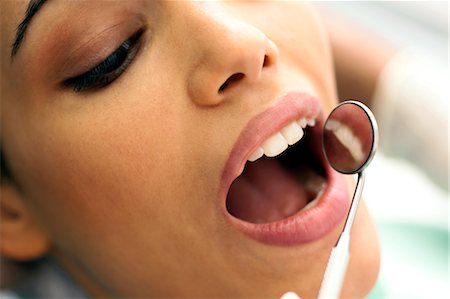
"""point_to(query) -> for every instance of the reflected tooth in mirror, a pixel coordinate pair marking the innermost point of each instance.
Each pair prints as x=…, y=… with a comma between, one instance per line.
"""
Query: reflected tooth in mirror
x=258, y=153
x=347, y=138
x=275, y=145
x=302, y=122
x=292, y=133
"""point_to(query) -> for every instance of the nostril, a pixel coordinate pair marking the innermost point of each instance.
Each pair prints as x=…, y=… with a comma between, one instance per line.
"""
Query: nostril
x=266, y=61
x=231, y=80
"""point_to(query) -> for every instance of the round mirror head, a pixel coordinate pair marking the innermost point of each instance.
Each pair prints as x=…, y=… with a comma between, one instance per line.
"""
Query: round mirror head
x=350, y=137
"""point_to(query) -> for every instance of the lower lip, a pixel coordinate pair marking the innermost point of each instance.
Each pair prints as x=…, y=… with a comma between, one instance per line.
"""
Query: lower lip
x=307, y=225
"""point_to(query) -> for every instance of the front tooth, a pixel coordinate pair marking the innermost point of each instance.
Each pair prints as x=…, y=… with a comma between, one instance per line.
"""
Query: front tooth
x=292, y=133
x=302, y=122
x=256, y=154
x=275, y=145
x=311, y=122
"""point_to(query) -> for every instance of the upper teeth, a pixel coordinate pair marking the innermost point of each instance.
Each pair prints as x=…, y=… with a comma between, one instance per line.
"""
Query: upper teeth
x=279, y=142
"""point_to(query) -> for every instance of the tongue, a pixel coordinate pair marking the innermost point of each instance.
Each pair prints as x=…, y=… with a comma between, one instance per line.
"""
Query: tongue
x=265, y=192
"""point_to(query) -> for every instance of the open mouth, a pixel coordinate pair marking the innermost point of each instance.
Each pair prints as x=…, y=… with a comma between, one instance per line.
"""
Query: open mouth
x=274, y=188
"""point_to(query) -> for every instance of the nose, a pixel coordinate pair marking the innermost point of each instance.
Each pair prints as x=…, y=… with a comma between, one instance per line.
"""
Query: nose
x=229, y=55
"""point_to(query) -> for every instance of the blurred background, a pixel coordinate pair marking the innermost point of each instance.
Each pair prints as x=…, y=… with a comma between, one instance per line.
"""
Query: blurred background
x=394, y=57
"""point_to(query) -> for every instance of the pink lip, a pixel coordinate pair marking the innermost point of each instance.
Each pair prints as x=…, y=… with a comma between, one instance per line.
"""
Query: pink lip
x=307, y=225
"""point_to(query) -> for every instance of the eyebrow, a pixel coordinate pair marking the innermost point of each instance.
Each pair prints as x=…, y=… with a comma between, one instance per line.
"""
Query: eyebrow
x=33, y=7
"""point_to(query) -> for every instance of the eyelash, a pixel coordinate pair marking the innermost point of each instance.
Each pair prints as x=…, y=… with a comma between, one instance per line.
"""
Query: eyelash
x=109, y=69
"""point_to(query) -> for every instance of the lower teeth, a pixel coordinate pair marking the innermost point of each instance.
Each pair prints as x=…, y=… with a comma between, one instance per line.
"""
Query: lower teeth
x=315, y=201
x=315, y=184
x=312, y=181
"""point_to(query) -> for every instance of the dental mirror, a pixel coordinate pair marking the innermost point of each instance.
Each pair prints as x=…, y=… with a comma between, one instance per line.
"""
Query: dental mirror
x=350, y=137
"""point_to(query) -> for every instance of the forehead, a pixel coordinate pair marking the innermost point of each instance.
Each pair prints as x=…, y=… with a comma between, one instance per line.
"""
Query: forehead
x=12, y=10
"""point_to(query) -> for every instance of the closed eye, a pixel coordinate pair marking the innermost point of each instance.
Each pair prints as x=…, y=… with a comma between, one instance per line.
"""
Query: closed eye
x=109, y=69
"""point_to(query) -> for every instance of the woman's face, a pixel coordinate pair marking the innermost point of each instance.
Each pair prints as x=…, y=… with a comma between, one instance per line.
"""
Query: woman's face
x=125, y=123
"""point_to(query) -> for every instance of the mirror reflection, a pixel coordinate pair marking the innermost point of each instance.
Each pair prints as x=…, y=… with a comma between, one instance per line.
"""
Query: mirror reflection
x=348, y=137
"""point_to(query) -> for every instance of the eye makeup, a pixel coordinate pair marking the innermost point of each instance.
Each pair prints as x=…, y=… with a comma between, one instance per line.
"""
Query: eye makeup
x=109, y=69
x=83, y=46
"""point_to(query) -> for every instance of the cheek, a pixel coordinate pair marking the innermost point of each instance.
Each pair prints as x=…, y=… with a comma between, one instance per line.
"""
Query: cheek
x=312, y=53
x=122, y=173
x=107, y=165
x=298, y=32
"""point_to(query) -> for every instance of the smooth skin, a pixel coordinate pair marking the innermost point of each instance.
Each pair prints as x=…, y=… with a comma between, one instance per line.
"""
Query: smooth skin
x=119, y=184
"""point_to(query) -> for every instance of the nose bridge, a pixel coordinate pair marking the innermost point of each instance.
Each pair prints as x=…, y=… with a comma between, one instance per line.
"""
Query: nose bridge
x=227, y=53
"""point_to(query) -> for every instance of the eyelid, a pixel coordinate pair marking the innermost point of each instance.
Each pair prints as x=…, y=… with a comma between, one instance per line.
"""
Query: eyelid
x=108, y=70
x=95, y=49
